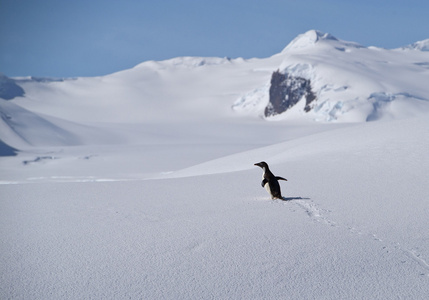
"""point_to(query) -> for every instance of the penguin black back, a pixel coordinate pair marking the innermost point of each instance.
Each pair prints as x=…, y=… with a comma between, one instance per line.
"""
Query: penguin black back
x=270, y=182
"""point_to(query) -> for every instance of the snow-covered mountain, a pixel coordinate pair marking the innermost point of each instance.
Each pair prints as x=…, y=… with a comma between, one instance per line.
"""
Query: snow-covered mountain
x=316, y=77
x=327, y=79
x=420, y=46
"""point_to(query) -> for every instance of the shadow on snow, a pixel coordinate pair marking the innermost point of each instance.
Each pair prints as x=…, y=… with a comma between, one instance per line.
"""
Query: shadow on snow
x=293, y=198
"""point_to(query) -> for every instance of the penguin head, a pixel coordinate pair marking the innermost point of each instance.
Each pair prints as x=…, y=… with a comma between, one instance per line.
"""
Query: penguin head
x=262, y=164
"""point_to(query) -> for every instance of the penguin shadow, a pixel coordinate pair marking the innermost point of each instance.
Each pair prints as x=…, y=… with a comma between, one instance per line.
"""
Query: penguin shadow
x=294, y=198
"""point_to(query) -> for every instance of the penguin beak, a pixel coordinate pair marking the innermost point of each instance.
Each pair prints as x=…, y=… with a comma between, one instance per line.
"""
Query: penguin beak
x=258, y=164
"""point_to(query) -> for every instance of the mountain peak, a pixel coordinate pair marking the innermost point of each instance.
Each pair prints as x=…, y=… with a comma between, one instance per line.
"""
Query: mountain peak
x=309, y=38
x=420, y=45
x=317, y=35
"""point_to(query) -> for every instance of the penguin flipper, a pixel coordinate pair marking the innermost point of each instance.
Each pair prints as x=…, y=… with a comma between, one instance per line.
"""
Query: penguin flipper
x=281, y=178
x=264, y=182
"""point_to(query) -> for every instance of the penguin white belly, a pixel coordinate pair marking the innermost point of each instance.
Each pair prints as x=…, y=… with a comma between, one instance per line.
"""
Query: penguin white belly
x=267, y=187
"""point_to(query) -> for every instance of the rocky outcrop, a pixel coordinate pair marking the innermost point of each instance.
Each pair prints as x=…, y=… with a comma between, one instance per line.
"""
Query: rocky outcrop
x=287, y=90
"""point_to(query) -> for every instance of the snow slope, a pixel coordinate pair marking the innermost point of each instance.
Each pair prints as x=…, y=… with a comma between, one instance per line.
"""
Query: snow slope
x=154, y=194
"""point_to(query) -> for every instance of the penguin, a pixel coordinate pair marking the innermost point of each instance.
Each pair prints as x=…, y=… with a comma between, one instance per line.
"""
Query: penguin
x=270, y=182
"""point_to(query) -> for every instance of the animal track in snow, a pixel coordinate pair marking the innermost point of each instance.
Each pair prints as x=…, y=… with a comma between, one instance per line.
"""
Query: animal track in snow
x=314, y=212
x=318, y=215
x=414, y=255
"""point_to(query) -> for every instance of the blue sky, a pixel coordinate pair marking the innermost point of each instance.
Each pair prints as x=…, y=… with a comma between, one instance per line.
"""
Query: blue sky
x=63, y=38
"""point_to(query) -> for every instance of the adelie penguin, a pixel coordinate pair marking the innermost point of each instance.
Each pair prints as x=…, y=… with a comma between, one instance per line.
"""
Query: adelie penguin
x=270, y=182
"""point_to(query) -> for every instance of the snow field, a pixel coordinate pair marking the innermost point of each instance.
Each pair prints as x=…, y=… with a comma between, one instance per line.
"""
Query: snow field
x=353, y=227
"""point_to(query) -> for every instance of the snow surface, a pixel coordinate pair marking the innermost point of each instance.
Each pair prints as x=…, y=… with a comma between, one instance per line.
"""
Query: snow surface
x=141, y=184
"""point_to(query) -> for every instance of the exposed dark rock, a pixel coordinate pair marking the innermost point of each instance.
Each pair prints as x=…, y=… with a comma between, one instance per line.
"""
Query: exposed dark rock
x=9, y=89
x=287, y=90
